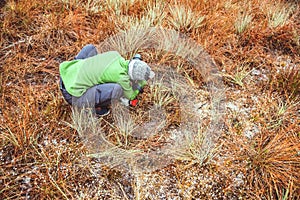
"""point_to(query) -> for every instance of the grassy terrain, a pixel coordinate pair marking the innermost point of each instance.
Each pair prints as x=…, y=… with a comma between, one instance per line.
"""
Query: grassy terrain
x=45, y=149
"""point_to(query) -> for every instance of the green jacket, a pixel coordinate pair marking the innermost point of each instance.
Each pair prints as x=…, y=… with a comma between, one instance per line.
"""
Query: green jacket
x=109, y=67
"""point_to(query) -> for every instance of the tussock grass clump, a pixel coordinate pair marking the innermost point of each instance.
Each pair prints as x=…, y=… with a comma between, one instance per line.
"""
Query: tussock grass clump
x=237, y=77
x=274, y=164
x=152, y=17
x=279, y=14
x=271, y=163
x=286, y=78
x=184, y=19
x=242, y=22
x=122, y=7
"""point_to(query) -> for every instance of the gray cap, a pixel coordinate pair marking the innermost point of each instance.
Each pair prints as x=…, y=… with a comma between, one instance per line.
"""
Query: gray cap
x=139, y=70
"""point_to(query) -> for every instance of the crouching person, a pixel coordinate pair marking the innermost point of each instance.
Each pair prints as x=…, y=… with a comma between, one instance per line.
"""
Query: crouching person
x=94, y=80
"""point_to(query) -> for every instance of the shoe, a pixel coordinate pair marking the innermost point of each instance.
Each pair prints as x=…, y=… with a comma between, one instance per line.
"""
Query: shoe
x=101, y=112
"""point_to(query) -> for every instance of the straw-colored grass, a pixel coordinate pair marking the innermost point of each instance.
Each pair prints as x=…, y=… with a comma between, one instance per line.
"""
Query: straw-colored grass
x=275, y=160
x=184, y=19
x=279, y=14
x=242, y=22
x=237, y=77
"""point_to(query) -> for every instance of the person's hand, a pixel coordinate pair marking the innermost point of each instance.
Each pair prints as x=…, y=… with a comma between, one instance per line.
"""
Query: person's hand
x=139, y=86
x=133, y=102
x=127, y=102
x=124, y=101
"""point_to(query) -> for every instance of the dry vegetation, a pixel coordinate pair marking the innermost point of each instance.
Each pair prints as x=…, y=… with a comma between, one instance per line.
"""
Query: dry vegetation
x=45, y=151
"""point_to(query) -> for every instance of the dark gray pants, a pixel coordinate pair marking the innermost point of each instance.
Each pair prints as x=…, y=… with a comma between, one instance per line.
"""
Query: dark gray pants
x=99, y=95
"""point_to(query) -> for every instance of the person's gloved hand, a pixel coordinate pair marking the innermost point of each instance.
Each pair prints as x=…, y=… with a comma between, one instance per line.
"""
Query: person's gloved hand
x=139, y=85
x=133, y=102
x=124, y=101
x=127, y=102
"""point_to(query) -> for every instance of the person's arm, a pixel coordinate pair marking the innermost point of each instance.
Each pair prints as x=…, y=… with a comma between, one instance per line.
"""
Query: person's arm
x=129, y=93
x=139, y=85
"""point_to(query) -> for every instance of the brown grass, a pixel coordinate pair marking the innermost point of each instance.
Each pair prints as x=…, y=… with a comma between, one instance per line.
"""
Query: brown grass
x=43, y=157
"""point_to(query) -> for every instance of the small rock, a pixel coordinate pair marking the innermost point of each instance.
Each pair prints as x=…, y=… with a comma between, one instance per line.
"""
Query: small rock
x=250, y=132
x=256, y=72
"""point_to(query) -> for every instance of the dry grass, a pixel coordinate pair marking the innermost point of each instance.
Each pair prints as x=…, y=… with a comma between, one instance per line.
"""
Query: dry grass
x=183, y=19
x=252, y=152
x=279, y=14
x=242, y=22
x=271, y=162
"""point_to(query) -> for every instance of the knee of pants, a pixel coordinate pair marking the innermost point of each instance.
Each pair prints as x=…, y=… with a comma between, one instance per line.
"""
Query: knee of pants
x=117, y=92
x=105, y=93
